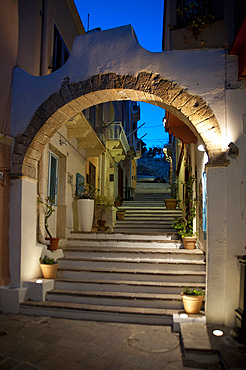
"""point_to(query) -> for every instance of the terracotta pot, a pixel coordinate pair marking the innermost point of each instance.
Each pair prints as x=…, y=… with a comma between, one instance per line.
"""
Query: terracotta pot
x=171, y=203
x=53, y=243
x=192, y=303
x=117, y=203
x=189, y=242
x=120, y=215
x=49, y=271
x=101, y=223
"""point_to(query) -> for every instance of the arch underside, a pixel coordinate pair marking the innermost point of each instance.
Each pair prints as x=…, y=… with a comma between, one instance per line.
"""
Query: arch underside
x=72, y=98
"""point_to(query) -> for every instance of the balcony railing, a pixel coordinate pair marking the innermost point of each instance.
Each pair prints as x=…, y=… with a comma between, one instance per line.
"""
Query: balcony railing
x=115, y=132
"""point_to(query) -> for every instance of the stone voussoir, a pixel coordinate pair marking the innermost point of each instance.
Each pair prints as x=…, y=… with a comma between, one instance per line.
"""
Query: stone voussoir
x=201, y=115
x=143, y=81
x=37, y=146
x=169, y=95
x=24, y=140
x=32, y=153
x=129, y=82
x=66, y=93
x=76, y=89
x=29, y=171
x=181, y=99
x=20, y=149
x=192, y=105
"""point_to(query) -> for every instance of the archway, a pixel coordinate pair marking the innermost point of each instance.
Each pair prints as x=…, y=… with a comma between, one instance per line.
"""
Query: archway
x=73, y=98
x=125, y=71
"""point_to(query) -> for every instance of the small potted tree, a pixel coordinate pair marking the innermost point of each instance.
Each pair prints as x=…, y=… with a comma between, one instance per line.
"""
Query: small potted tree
x=49, y=203
x=48, y=267
x=171, y=203
x=86, y=204
x=184, y=225
x=192, y=300
x=118, y=201
x=103, y=203
x=120, y=214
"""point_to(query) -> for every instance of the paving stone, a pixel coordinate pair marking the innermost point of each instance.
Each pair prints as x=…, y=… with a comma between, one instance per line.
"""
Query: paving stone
x=8, y=364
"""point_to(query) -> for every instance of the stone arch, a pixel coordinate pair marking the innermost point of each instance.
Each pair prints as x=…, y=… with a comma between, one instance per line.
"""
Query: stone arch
x=74, y=97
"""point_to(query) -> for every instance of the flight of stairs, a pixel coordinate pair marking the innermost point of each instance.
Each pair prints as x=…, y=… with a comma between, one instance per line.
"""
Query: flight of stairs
x=147, y=214
x=121, y=277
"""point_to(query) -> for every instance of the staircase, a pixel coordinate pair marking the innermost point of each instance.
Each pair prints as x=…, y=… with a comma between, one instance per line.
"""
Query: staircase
x=147, y=214
x=122, y=278
x=134, y=275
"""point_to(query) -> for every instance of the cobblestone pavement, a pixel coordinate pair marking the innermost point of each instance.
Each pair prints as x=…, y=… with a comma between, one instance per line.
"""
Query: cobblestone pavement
x=28, y=342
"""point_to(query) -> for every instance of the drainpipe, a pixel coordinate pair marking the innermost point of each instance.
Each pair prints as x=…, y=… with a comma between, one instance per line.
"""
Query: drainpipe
x=42, y=183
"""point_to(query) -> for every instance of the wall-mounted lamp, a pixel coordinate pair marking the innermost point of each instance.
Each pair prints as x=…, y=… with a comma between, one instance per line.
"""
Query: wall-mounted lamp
x=201, y=148
x=62, y=142
x=233, y=151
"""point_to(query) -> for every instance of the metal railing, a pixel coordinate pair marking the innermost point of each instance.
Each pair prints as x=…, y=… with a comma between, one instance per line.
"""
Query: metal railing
x=116, y=132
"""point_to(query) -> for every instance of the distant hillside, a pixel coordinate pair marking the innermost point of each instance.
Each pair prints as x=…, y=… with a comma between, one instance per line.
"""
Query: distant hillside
x=155, y=166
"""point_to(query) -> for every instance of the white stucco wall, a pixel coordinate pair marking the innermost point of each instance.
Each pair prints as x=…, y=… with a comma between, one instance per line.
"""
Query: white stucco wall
x=120, y=53
x=24, y=263
x=236, y=224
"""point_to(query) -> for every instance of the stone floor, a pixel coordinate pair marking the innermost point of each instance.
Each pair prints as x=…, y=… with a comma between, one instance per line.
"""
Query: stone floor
x=28, y=342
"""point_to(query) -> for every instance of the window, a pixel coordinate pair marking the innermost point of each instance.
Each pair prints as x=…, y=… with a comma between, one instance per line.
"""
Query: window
x=60, y=52
x=53, y=177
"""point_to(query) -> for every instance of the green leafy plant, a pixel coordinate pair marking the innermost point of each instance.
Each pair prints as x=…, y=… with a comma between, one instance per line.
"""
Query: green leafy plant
x=193, y=291
x=49, y=203
x=184, y=224
x=88, y=192
x=103, y=204
x=194, y=17
x=47, y=260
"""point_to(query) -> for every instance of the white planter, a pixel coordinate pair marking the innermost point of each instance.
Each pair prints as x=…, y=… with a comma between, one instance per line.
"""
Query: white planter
x=86, y=213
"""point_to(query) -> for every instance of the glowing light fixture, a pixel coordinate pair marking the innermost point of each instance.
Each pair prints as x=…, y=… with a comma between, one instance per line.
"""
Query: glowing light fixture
x=39, y=281
x=183, y=315
x=201, y=148
x=218, y=333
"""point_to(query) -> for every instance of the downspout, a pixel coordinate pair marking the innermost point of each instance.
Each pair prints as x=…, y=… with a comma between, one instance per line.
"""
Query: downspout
x=42, y=181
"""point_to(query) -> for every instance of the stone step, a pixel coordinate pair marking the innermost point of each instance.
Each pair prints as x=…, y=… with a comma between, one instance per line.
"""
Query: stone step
x=104, y=243
x=142, y=228
x=145, y=216
x=120, y=237
x=134, y=221
x=78, y=311
x=138, y=274
x=155, y=264
x=123, y=299
x=125, y=286
x=133, y=252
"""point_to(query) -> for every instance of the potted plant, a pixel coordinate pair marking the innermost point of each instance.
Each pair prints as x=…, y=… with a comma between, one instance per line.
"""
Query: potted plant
x=118, y=201
x=171, y=203
x=192, y=299
x=103, y=203
x=49, y=203
x=48, y=267
x=184, y=225
x=86, y=206
x=120, y=214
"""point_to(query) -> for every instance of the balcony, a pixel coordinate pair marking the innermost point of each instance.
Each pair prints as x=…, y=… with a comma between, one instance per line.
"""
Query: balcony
x=116, y=141
x=79, y=128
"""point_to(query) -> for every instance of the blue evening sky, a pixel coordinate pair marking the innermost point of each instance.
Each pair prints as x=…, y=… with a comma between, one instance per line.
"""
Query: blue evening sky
x=146, y=17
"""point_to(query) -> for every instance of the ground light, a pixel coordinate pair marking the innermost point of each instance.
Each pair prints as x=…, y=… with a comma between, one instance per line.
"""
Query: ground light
x=39, y=281
x=218, y=333
x=183, y=315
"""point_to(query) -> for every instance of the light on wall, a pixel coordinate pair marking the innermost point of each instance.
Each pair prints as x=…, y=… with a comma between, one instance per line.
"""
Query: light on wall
x=233, y=151
x=62, y=142
x=201, y=148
